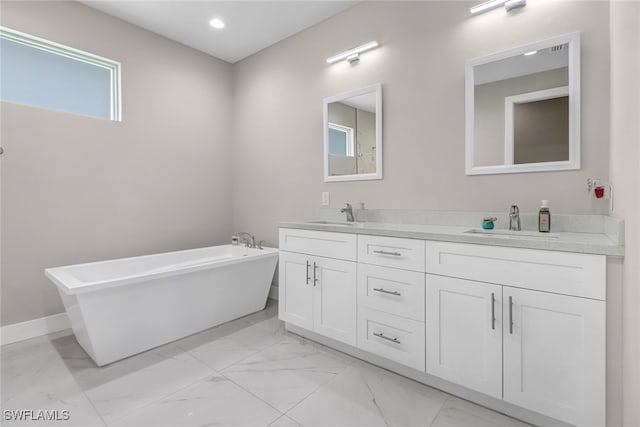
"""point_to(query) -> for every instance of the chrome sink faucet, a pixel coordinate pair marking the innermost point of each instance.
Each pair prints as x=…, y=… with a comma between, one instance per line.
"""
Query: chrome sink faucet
x=514, y=218
x=249, y=239
x=349, y=211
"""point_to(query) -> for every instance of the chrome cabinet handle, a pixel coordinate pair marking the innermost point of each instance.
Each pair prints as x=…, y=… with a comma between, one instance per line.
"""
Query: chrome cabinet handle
x=510, y=315
x=384, y=291
x=381, y=335
x=493, y=310
x=380, y=252
x=308, y=277
x=315, y=273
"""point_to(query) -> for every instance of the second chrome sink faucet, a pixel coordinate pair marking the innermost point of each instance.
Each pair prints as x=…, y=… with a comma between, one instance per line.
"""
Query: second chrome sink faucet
x=349, y=211
x=514, y=218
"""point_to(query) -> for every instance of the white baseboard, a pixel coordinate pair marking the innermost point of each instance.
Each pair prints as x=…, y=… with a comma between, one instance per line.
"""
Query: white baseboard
x=34, y=328
x=273, y=292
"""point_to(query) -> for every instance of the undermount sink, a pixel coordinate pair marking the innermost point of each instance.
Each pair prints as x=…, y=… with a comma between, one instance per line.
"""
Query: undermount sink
x=513, y=234
x=333, y=223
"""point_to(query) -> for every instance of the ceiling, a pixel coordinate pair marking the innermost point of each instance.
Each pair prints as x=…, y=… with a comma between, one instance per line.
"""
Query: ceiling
x=250, y=25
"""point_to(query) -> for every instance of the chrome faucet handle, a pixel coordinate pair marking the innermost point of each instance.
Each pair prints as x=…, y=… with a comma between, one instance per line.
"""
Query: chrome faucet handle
x=259, y=245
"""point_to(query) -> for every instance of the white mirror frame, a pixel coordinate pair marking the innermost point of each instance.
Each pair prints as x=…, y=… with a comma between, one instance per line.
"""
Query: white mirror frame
x=573, y=40
x=377, y=88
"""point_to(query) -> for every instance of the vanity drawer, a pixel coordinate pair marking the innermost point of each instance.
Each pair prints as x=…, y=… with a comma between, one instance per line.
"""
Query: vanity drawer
x=391, y=252
x=320, y=243
x=391, y=290
x=582, y=275
x=392, y=337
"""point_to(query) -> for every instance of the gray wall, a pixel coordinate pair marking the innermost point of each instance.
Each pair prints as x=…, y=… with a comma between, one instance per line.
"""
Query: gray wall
x=625, y=176
x=420, y=63
x=78, y=189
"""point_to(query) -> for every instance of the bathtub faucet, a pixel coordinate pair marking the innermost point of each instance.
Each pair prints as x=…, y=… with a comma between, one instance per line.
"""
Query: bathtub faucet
x=248, y=239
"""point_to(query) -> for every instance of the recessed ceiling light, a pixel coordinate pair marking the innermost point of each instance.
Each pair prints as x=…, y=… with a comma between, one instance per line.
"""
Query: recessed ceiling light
x=217, y=23
x=533, y=52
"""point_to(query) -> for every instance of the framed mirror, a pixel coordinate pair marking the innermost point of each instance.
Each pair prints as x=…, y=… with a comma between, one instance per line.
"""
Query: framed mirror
x=523, y=108
x=353, y=135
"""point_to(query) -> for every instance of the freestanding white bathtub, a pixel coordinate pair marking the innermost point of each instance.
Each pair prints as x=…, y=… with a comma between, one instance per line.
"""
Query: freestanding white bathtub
x=121, y=307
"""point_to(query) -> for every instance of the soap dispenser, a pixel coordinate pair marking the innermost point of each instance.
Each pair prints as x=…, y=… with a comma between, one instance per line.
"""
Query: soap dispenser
x=544, y=217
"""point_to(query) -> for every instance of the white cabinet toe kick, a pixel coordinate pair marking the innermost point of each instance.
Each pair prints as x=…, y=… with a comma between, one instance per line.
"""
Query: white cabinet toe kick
x=519, y=330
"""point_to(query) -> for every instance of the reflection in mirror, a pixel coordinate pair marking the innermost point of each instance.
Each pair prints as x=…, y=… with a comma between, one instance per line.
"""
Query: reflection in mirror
x=523, y=109
x=353, y=135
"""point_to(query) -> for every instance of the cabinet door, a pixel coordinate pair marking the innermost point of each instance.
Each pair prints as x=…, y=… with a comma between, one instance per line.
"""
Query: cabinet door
x=295, y=289
x=464, y=333
x=334, y=302
x=554, y=355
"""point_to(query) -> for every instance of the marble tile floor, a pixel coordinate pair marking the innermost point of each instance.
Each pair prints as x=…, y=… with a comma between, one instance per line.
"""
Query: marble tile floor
x=248, y=372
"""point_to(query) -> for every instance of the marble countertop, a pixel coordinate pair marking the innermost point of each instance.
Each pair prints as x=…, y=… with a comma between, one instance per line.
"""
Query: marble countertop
x=584, y=242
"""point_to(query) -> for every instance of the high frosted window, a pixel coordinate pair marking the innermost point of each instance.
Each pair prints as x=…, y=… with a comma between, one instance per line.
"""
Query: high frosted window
x=44, y=74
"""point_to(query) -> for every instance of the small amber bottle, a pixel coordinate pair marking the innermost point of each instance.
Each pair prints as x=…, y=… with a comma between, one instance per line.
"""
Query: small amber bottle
x=544, y=217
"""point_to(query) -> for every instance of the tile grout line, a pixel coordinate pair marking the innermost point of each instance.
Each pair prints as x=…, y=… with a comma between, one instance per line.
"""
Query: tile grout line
x=104, y=423
x=241, y=387
x=237, y=361
x=314, y=392
x=439, y=411
x=285, y=415
x=262, y=400
x=145, y=405
x=257, y=397
x=139, y=408
x=213, y=371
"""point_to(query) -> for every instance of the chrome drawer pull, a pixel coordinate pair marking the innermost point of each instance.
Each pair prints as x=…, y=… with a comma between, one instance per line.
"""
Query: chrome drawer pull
x=387, y=253
x=381, y=335
x=511, y=315
x=384, y=291
x=308, y=277
x=493, y=310
x=315, y=274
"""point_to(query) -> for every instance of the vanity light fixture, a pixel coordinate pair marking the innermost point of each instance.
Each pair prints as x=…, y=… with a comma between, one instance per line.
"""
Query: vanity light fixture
x=217, y=23
x=488, y=5
x=509, y=5
x=352, y=55
x=492, y=4
x=533, y=52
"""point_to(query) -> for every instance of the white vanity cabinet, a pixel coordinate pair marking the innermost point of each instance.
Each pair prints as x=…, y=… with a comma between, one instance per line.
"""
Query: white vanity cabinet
x=523, y=326
x=534, y=339
x=318, y=293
